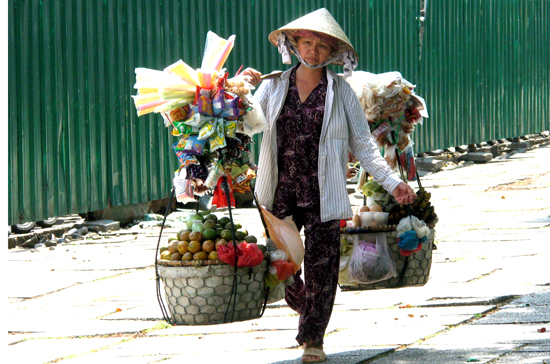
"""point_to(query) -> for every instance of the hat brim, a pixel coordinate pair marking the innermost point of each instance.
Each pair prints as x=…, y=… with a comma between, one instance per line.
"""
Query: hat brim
x=320, y=21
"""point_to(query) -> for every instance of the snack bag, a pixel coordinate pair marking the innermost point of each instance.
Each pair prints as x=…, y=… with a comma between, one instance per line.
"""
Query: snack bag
x=203, y=101
x=197, y=120
x=230, y=128
x=194, y=146
x=218, y=102
x=207, y=129
x=231, y=111
x=217, y=140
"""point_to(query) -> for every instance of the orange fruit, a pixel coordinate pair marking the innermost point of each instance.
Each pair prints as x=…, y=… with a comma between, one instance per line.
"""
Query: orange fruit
x=183, y=247
x=187, y=256
x=200, y=256
x=184, y=235
x=196, y=235
x=220, y=242
x=208, y=246
x=194, y=246
x=213, y=255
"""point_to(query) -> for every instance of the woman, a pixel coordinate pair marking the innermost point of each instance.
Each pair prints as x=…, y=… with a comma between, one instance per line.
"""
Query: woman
x=314, y=118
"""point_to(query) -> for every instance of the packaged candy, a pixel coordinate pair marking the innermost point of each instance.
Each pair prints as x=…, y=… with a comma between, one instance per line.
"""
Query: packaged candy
x=217, y=140
x=194, y=146
x=231, y=111
x=184, y=158
x=180, y=144
x=207, y=129
x=203, y=101
x=218, y=102
x=197, y=120
x=230, y=128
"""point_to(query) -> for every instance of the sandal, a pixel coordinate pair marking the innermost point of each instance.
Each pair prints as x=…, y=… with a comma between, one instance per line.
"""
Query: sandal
x=319, y=353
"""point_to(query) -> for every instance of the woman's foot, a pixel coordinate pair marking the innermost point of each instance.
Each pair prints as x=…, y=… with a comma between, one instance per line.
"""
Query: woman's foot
x=313, y=353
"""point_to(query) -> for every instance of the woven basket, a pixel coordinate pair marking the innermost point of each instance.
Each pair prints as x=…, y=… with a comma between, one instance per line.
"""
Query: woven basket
x=200, y=293
x=417, y=271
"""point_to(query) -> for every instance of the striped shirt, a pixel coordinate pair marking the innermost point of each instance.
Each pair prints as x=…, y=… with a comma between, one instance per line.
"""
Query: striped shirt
x=344, y=129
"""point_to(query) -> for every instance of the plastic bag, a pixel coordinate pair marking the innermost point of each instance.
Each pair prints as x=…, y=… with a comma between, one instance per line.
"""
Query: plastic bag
x=183, y=187
x=248, y=254
x=371, y=260
x=286, y=236
x=254, y=120
x=284, y=269
x=220, y=198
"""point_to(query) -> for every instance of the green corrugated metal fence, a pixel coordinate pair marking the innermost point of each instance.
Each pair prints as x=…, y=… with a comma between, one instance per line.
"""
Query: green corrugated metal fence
x=76, y=144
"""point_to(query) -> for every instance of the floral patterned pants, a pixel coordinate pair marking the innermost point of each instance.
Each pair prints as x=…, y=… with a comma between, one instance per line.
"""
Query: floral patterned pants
x=313, y=297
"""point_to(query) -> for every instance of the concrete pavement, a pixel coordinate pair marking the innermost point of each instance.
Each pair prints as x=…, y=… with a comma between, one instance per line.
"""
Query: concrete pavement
x=487, y=301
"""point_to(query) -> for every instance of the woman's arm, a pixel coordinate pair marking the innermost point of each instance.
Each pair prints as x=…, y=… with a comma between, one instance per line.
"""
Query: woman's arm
x=363, y=147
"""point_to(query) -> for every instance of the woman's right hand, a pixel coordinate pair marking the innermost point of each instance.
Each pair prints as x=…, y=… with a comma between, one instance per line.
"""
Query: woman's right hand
x=251, y=76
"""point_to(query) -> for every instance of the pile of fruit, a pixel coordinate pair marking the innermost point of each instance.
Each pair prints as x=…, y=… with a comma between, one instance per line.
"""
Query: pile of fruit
x=202, y=237
x=421, y=208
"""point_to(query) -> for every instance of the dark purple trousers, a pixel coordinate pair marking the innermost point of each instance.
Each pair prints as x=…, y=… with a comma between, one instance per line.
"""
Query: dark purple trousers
x=313, y=297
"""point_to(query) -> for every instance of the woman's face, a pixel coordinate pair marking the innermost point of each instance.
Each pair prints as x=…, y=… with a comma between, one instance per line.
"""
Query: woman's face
x=314, y=50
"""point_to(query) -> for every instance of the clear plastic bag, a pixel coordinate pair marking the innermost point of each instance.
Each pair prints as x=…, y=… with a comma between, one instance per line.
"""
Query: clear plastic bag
x=371, y=260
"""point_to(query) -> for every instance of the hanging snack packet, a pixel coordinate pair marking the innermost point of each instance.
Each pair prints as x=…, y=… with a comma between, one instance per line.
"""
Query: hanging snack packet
x=218, y=102
x=194, y=146
x=180, y=144
x=197, y=120
x=230, y=128
x=180, y=128
x=231, y=111
x=184, y=159
x=207, y=129
x=203, y=101
x=217, y=140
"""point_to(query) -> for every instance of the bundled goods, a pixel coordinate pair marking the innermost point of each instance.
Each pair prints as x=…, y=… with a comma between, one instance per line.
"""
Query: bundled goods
x=420, y=208
x=392, y=109
x=209, y=238
x=212, y=116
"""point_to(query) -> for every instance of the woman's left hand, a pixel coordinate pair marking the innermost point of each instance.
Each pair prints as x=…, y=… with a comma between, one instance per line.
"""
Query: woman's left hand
x=404, y=194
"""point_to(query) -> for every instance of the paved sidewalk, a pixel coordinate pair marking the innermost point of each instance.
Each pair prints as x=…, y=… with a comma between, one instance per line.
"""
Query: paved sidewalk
x=487, y=300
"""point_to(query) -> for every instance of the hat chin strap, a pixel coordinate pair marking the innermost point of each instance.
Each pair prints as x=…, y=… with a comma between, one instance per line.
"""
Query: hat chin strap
x=284, y=46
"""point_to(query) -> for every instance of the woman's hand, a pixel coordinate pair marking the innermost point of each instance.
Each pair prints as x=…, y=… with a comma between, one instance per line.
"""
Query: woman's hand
x=404, y=194
x=251, y=76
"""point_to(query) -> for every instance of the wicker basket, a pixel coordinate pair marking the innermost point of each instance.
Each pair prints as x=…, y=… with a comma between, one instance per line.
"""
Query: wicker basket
x=417, y=265
x=200, y=293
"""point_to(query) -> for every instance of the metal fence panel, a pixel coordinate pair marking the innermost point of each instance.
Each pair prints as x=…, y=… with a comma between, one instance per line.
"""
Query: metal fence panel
x=77, y=145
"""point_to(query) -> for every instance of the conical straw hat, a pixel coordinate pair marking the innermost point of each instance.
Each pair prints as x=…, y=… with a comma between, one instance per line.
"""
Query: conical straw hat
x=320, y=21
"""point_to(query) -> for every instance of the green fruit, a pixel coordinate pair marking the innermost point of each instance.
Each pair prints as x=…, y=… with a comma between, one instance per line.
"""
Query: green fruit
x=197, y=226
x=240, y=235
x=187, y=256
x=251, y=239
x=192, y=218
x=172, y=238
x=223, y=220
x=209, y=234
x=226, y=234
x=162, y=249
x=263, y=248
x=209, y=224
x=211, y=217
x=166, y=255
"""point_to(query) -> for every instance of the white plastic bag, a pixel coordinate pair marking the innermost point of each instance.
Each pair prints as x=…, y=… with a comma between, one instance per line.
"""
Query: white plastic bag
x=371, y=260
